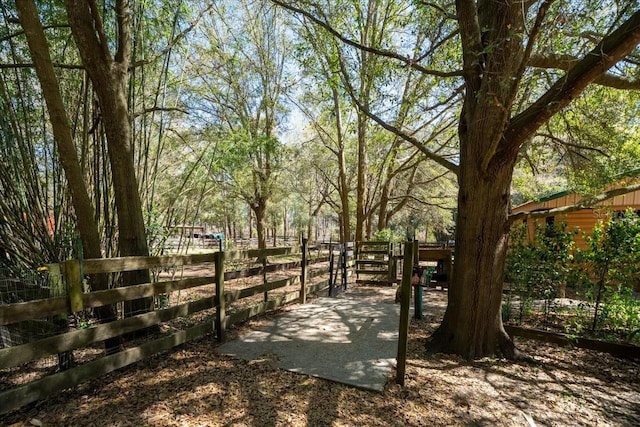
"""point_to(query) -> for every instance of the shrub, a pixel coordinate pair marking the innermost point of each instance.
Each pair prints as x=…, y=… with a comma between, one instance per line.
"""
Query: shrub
x=614, y=263
x=538, y=269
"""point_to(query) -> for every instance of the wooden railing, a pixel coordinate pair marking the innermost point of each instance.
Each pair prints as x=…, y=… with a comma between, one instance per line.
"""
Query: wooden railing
x=70, y=275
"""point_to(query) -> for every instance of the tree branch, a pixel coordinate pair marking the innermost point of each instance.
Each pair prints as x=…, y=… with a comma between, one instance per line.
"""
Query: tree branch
x=415, y=142
x=567, y=62
x=559, y=141
x=31, y=65
x=409, y=62
x=173, y=42
x=471, y=39
x=607, y=53
x=165, y=109
x=19, y=33
x=123, y=53
x=83, y=26
x=98, y=28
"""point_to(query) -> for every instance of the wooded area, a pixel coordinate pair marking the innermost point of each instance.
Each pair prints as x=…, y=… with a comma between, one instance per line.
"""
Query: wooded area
x=172, y=128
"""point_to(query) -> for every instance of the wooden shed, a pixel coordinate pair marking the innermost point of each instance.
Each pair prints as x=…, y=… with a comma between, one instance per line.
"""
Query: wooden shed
x=583, y=219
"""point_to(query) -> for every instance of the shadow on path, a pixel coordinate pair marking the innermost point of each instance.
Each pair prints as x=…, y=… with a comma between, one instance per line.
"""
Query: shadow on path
x=348, y=340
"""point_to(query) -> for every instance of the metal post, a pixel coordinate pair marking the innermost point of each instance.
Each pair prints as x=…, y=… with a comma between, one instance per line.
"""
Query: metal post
x=417, y=301
x=303, y=275
x=343, y=266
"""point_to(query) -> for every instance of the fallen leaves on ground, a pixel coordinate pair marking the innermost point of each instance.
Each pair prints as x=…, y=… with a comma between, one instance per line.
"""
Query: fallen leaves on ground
x=195, y=386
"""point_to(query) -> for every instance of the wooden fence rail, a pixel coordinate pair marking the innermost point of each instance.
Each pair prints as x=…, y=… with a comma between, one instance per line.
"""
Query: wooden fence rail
x=76, y=300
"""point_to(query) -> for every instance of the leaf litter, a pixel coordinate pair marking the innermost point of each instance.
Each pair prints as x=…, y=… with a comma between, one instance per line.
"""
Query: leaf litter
x=193, y=385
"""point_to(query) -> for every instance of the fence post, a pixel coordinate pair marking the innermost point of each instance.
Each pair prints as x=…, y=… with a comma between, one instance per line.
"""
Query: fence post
x=74, y=284
x=391, y=270
x=220, y=309
x=343, y=266
x=65, y=359
x=303, y=275
x=331, y=282
x=405, y=298
x=264, y=276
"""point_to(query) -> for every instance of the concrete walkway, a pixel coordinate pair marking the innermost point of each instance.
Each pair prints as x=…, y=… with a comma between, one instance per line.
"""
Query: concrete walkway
x=351, y=339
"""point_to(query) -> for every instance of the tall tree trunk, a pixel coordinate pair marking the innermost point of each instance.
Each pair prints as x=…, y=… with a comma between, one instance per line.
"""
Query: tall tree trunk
x=362, y=170
x=343, y=186
x=472, y=326
x=84, y=210
x=309, y=223
x=109, y=76
x=382, y=208
x=490, y=139
x=260, y=210
x=284, y=224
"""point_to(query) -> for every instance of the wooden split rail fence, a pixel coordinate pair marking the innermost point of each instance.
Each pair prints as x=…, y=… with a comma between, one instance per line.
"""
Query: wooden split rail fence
x=376, y=262
x=206, y=314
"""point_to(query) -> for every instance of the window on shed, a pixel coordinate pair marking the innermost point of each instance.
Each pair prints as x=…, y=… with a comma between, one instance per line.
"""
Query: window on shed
x=550, y=230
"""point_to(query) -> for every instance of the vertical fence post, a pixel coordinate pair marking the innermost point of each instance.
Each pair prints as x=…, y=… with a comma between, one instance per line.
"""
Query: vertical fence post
x=74, y=284
x=264, y=277
x=331, y=281
x=65, y=359
x=391, y=271
x=220, y=309
x=405, y=299
x=356, y=256
x=343, y=265
x=303, y=275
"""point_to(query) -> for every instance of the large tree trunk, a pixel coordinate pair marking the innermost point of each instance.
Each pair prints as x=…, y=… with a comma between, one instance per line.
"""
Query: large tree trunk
x=109, y=76
x=343, y=187
x=490, y=139
x=260, y=210
x=85, y=213
x=382, y=207
x=472, y=325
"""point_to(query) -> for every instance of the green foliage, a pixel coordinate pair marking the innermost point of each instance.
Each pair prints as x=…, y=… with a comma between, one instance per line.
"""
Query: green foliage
x=538, y=268
x=389, y=235
x=590, y=144
x=605, y=275
x=614, y=261
x=621, y=314
x=157, y=234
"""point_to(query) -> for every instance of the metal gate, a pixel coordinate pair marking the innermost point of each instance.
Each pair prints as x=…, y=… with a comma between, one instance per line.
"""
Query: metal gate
x=338, y=264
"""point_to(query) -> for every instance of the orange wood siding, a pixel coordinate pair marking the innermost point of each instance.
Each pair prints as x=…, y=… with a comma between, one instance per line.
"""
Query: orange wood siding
x=629, y=200
x=585, y=219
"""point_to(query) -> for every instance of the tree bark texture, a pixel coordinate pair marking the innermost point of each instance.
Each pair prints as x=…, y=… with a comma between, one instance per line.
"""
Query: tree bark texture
x=109, y=75
x=84, y=210
x=492, y=36
x=260, y=210
x=362, y=177
x=472, y=326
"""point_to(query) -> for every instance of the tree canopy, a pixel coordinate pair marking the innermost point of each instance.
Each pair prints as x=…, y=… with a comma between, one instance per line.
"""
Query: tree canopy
x=338, y=120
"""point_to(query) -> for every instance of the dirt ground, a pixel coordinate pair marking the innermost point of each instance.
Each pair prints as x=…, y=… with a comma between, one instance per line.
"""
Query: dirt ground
x=195, y=386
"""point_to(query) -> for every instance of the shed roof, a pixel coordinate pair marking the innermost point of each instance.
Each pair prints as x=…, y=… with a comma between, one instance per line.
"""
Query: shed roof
x=568, y=198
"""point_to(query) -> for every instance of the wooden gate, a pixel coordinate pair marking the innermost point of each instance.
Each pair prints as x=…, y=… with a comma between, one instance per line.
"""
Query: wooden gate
x=375, y=263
